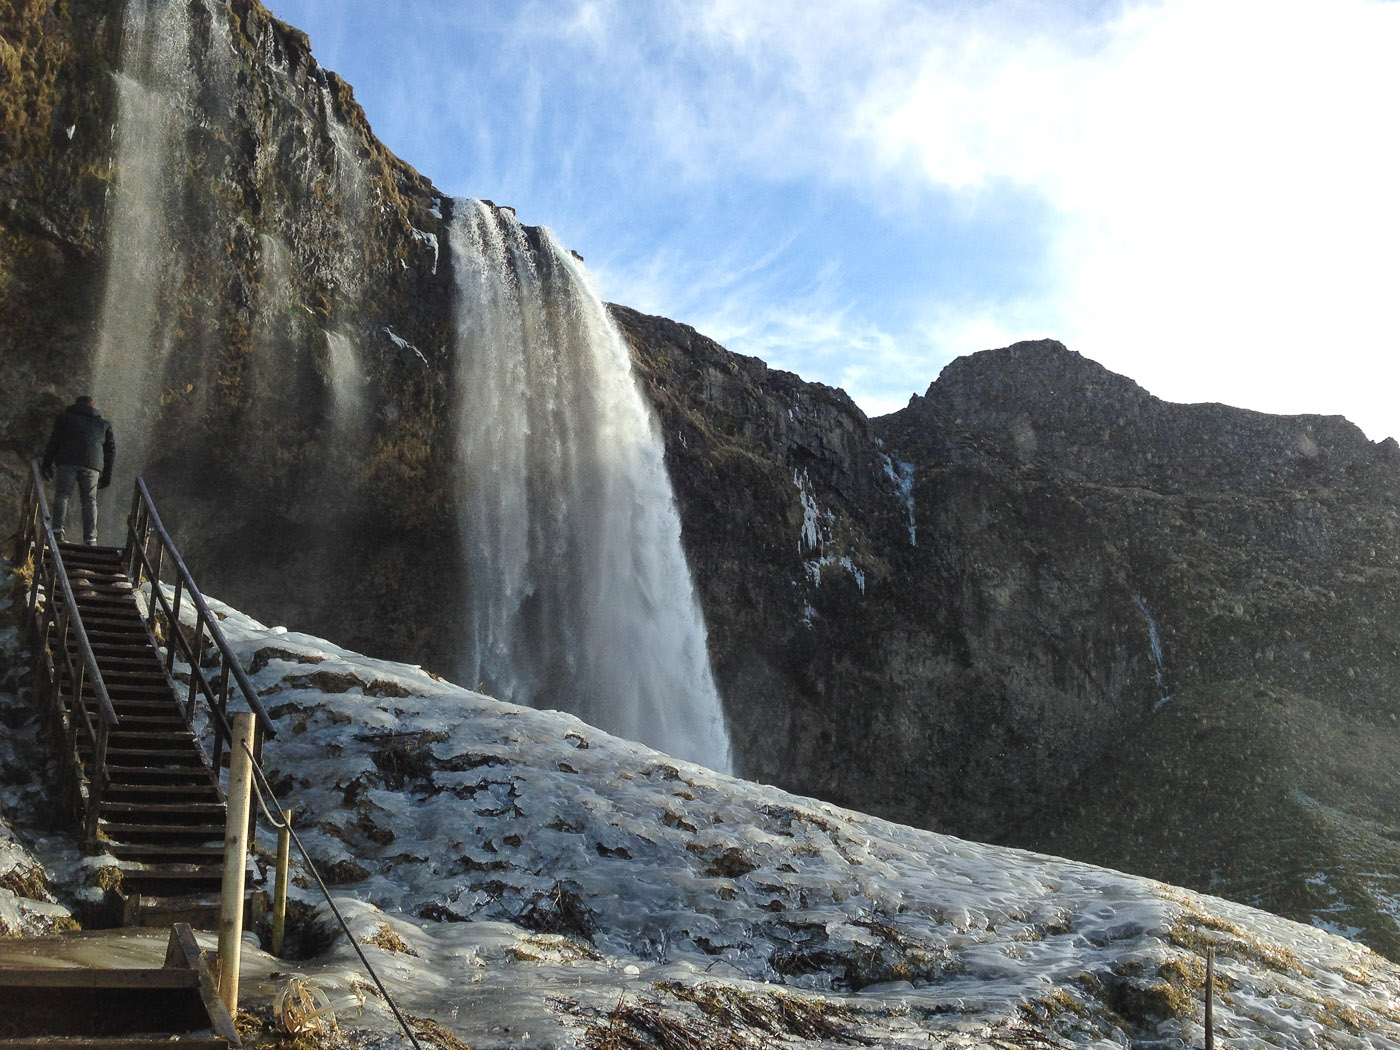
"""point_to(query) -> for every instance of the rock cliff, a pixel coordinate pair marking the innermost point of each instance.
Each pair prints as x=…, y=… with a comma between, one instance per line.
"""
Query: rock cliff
x=1038, y=606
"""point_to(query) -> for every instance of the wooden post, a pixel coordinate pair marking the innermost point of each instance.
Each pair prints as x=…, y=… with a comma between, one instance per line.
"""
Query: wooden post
x=279, y=887
x=1210, y=999
x=240, y=784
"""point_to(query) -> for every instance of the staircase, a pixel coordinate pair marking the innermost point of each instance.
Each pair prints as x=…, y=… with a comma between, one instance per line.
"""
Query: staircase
x=161, y=812
x=107, y=633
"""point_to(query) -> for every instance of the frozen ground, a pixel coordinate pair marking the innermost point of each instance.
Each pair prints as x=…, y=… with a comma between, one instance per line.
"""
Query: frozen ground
x=524, y=879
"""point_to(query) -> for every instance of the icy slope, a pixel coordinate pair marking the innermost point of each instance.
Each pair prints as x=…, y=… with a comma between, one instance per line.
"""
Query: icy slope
x=657, y=886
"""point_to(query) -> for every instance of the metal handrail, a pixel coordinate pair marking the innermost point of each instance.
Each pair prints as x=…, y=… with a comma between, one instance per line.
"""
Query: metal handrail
x=59, y=613
x=143, y=567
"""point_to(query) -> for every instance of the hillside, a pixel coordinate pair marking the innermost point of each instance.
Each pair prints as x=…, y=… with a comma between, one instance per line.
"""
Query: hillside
x=516, y=876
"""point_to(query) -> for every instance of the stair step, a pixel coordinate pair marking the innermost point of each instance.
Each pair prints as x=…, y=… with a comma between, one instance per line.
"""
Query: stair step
x=135, y=634
x=135, y=719
x=161, y=812
x=127, y=656
x=147, y=725
x=106, y=618
x=128, y=774
x=135, y=835
x=161, y=887
x=136, y=678
x=138, y=690
x=159, y=741
x=115, y=604
x=148, y=758
x=182, y=773
x=181, y=794
x=129, y=708
x=122, y=647
x=161, y=853
x=97, y=577
x=173, y=871
x=86, y=591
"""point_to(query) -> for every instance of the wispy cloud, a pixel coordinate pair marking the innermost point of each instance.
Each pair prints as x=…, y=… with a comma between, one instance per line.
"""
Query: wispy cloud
x=1203, y=190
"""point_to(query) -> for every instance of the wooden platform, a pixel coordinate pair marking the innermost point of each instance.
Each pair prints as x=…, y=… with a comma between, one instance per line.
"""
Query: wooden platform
x=47, y=1003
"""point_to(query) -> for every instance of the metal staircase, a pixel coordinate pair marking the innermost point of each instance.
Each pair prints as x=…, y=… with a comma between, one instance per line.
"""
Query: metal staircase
x=137, y=680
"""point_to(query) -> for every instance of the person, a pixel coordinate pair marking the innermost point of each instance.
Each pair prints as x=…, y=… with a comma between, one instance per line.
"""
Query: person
x=84, y=450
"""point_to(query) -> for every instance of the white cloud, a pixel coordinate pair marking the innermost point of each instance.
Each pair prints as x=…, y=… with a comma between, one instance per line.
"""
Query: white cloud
x=1218, y=175
x=1223, y=172
x=1224, y=180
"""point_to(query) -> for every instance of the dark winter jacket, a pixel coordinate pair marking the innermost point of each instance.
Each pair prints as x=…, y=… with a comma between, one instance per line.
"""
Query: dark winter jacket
x=81, y=438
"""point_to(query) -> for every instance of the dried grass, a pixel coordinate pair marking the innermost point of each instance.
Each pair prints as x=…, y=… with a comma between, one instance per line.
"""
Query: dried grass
x=390, y=941
x=716, y=1017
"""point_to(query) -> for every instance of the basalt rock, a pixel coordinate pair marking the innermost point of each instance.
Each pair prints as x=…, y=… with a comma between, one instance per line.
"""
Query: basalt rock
x=1041, y=607
x=1037, y=606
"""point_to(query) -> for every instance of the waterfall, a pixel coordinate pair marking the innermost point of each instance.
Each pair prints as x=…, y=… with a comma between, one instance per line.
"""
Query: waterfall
x=578, y=592
x=145, y=263
x=349, y=403
x=1154, y=642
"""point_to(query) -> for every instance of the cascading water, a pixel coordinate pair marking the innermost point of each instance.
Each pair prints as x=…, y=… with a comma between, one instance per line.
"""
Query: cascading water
x=579, y=595
x=144, y=267
x=180, y=211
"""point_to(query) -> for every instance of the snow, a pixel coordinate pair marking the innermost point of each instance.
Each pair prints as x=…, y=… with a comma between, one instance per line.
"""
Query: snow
x=428, y=240
x=902, y=475
x=811, y=538
x=657, y=886
x=404, y=344
x=1154, y=642
x=816, y=536
x=462, y=807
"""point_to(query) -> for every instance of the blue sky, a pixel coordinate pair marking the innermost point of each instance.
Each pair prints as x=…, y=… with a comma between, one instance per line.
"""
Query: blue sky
x=1199, y=194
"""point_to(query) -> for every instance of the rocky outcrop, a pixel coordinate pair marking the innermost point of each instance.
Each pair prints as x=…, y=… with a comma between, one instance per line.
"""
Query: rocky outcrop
x=943, y=651
x=290, y=254
x=1038, y=606
x=1047, y=609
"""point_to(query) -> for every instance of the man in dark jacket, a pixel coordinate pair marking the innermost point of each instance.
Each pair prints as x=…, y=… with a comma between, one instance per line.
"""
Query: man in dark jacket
x=83, y=448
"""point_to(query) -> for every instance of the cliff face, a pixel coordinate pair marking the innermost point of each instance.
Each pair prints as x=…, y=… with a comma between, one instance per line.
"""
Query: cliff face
x=1076, y=618
x=892, y=628
x=197, y=226
x=1038, y=606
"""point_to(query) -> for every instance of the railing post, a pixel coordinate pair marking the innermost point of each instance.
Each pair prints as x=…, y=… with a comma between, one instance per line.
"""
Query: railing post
x=34, y=579
x=196, y=648
x=221, y=694
x=1210, y=998
x=153, y=604
x=240, y=784
x=97, y=781
x=135, y=540
x=279, y=886
x=173, y=627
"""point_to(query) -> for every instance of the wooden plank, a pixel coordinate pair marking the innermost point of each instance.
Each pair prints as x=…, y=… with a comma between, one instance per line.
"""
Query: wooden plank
x=198, y=792
x=99, y=1043
x=184, y=951
x=145, y=812
x=194, y=773
x=121, y=850
x=140, y=835
x=93, y=978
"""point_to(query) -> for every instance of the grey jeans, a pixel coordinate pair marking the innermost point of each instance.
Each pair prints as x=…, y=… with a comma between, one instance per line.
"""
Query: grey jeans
x=86, y=480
